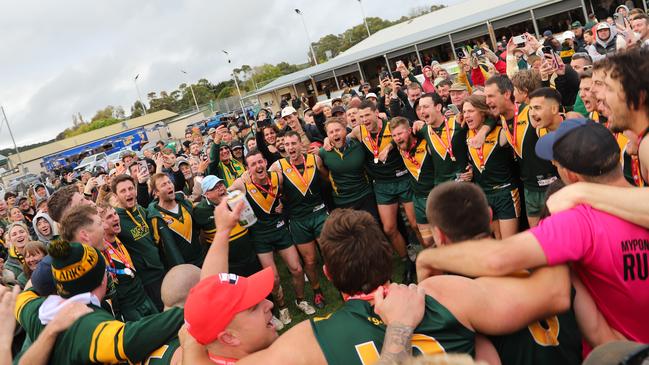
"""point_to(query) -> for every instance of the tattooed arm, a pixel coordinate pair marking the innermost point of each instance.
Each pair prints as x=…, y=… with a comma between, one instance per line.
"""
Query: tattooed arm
x=401, y=310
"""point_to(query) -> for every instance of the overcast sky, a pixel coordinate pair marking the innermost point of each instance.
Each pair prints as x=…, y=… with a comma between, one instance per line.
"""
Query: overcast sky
x=62, y=57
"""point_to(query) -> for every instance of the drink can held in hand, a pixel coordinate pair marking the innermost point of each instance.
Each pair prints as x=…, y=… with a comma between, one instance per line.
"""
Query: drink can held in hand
x=247, y=217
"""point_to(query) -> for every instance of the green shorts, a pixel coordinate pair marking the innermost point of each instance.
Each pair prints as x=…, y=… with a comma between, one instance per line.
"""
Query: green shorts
x=419, y=201
x=391, y=192
x=534, y=202
x=505, y=203
x=306, y=229
x=279, y=240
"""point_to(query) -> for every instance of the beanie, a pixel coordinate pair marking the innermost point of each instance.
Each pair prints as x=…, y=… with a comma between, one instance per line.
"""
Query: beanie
x=77, y=268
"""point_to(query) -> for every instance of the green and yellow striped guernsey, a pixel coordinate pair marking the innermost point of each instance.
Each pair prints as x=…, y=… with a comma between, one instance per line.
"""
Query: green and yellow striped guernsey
x=97, y=337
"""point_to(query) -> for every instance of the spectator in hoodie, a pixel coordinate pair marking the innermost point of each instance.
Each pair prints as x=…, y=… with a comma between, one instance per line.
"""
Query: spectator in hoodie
x=45, y=228
x=607, y=42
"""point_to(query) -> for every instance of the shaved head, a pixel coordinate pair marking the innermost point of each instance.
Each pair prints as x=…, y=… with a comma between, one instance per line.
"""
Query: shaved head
x=177, y=284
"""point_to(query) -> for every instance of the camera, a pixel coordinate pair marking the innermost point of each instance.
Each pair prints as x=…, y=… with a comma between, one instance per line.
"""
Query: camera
x=519, y=41
x=478, y=52
x=460, y=52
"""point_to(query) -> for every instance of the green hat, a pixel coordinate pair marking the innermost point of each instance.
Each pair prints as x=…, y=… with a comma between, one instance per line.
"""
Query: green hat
x=575, y=25
x=77, y=268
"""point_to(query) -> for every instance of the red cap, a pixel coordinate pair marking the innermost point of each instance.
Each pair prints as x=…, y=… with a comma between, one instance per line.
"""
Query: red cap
x=214, y=301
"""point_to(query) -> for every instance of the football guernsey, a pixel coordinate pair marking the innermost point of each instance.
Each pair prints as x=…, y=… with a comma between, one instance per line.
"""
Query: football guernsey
x=448, y=148
x=537, y=174
x=176, y=233
x=138, y=240
x=374, y=144
x=353, y=335
x=347, y=173
x=97, y=337
x=242, y=259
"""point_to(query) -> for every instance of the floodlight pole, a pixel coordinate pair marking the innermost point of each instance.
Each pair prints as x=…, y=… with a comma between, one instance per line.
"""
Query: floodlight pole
x=20, y=160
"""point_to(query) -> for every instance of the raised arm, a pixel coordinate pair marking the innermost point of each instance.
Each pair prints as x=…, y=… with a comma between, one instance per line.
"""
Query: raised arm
x=495, y=306
x=618, y=201
x=39, y=351
x=486, y=257
x=216, y=260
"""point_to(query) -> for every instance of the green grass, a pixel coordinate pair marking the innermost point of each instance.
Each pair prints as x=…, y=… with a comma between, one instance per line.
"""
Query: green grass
x=332, y=295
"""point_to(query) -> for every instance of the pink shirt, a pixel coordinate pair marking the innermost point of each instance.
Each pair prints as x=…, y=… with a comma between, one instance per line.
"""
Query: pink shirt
x=610, y=256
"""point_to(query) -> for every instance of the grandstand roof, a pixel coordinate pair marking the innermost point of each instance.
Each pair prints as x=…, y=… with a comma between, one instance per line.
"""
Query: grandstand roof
x=62, y=145
x=425, y=27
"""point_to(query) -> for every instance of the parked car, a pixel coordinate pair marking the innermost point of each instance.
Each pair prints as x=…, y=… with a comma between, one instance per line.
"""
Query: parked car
x=91, y=162
x=22, y=183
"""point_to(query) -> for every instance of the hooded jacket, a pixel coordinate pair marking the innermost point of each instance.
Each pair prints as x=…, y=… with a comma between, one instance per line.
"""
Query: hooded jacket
x=602, y=48
x=54, y=229
x=428, y=85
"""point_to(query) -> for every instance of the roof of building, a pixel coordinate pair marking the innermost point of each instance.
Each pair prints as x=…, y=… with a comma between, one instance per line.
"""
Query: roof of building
x=62, y=145
x=425, y=27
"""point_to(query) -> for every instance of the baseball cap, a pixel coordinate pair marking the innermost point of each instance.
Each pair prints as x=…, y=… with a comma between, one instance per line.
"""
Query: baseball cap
x=235, y=144
x=582, y=146
x=337, y=109
x=576, y=24
x=181, y=160
x=371, y=95
x=227, y=294
x=212, y=130
x=438, y=80
x=209, y=182
x=458, y=86
x=42, y=279
x=603, y=25
x=547, y=33
x=618, y=352
x=288, y=111
x=568, y=34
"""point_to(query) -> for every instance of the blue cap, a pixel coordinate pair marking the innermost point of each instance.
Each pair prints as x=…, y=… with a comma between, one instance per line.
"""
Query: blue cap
x=581, y=146
x=209, y=182
x=547, y=33
x=544, y=144
x=42, y=278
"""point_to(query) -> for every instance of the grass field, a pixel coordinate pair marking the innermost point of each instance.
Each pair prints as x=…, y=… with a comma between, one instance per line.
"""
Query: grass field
x=333, y=297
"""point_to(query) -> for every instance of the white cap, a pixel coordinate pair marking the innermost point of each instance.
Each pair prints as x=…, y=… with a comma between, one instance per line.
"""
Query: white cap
x=370, y=95
x=568, y=34
x=288, y=111
x=603, y=25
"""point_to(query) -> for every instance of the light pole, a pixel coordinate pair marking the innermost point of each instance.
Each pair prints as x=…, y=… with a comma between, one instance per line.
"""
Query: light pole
x=306, y=31
x=20, y=160
x=245, y=115
x=192, y=90
x=367, y=27
x=139, y=97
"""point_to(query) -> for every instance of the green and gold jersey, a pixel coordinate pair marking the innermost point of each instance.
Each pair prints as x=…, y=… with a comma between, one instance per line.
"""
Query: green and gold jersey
x=301, y=187
x=264, y=200
x=393, y=166
x=449, y=159
x=537, y=174
x=129, y=300
x=165, y=354
x=419, y=163
x=176, y=233
x=493, y=164
x=595, y=116
x=347, y=173
x=554, y=340
x=97, y=337
x=241, y=254
x=137, y=238
x=630, y=163
x=353, y=335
